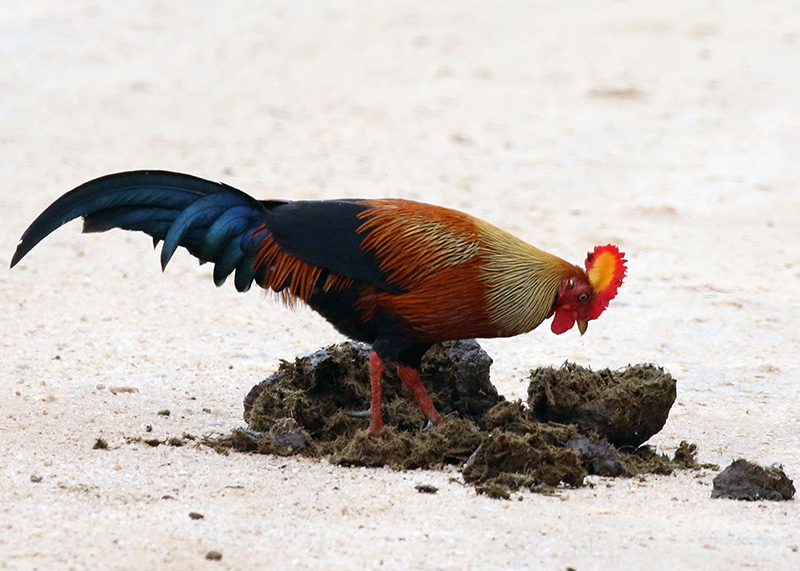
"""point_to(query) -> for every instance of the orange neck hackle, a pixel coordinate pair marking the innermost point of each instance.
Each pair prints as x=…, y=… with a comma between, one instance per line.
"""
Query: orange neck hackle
x=606, y=267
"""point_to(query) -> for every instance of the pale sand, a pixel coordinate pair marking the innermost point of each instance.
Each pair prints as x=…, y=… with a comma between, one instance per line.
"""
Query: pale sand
x=672, y=131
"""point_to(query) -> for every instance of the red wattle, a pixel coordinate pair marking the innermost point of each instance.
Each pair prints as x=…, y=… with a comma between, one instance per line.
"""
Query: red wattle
x=563, y=320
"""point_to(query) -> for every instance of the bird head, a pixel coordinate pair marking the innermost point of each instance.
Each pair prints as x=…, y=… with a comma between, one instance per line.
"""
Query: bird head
x=585, y=295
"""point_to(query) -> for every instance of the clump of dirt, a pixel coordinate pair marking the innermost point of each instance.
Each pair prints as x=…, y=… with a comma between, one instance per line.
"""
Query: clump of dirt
x=311, y=390
x=501, y=446
x=538, y=460
x=645, y=460
x=744, y=480
x=626, y=407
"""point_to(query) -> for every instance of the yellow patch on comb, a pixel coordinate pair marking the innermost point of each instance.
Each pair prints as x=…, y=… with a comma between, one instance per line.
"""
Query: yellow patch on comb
x=602, y=270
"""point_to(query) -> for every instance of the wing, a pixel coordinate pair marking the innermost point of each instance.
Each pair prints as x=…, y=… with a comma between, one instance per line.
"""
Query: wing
x=325, y=234
x=392, y=243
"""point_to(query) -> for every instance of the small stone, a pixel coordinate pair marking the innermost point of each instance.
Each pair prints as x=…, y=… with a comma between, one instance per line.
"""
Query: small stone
x=287, y=434
x=426, y=488
x=744, y=480
x=598, y=456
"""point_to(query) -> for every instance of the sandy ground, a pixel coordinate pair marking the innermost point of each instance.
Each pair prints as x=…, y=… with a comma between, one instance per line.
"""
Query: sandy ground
x=672, y=131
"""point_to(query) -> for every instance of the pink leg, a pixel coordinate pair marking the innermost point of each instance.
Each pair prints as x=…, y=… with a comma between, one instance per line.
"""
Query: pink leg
x=376, y=368
x=410, y=378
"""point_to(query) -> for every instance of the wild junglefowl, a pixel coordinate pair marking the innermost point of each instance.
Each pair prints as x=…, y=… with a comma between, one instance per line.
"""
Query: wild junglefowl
x=397, y=274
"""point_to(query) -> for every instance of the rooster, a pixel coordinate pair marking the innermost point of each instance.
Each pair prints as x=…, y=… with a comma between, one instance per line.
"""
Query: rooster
x=397, y=274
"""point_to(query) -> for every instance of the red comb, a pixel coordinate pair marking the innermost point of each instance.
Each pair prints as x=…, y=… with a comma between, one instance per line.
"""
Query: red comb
x=606, y=268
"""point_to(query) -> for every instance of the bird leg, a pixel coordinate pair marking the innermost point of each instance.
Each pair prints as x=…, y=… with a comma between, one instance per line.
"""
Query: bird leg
x=410, y=378
x=376, y=368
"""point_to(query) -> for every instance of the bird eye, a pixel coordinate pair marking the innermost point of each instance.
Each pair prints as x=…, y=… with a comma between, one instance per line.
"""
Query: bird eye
x=583, y=297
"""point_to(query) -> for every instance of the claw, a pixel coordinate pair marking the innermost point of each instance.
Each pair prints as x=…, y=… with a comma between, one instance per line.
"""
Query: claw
x=357, y=413
x=431, y=423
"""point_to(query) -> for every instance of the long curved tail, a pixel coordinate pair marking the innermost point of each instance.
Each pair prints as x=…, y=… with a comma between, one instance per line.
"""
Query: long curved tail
x=214, y=222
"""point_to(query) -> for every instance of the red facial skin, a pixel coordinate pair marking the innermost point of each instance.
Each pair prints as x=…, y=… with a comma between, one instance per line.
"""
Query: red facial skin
x=574, y=302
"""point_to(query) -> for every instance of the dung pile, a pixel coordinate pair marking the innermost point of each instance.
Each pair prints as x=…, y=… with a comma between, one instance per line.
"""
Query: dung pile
x=577, y=422
x=626, y=407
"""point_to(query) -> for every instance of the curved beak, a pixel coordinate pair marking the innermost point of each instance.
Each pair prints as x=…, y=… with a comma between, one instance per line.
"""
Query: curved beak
x=582, y=325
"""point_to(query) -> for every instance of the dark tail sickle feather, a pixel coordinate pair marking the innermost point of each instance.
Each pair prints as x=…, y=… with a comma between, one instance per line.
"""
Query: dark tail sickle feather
x=214, y=222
